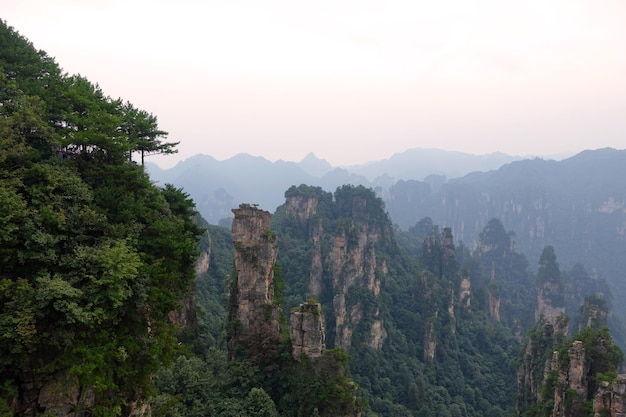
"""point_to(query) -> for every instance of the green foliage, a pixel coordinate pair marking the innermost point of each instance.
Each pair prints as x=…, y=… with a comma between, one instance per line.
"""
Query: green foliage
x=602, y=359
x=259, y=404
x=94, y=256
x=474, y=367
x=278, y=285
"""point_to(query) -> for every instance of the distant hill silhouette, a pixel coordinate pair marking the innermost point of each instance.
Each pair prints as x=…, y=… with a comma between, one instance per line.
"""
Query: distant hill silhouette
x=217, y=186
x=578, y=204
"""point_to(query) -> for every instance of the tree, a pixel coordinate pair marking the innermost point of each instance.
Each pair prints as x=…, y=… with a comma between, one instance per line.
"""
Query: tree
x=93, y=256
x=143, y=134
x=548, y=267
x=259, y=404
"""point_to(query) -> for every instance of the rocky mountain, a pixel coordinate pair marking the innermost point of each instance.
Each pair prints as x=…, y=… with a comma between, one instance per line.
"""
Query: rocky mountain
x=216, y=186
x=567, y=377
x=433, y=327
x=255, y=337
x=401, y=316
x=419, y=163
x=577, y=205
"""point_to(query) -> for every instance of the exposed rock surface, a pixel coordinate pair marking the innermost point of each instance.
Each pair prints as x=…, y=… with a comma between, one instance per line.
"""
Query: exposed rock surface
x=302, y=207
x=306, y=329
x=185, y=316
x=253, y=324
x=610, y=399
x=58, y=394
x=251, y=297
x=465, y=292
x=430, y=343
x=539, y=360
x=545, y=306
x=343, y=260
x=494, y=299
x=571, y=378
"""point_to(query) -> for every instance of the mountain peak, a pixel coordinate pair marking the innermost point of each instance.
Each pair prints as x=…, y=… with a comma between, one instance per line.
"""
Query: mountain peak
x=315, y=166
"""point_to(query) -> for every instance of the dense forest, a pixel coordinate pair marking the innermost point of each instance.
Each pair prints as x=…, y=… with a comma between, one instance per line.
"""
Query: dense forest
x=94, y=257
x=116, y=295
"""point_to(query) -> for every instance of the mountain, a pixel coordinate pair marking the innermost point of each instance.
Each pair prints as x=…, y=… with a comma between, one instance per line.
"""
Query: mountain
x=431, y=327
x=315, y=166
x=217, y=186
x=118, y=299
x=96, y=263
x=577, y=204
x=418, y=163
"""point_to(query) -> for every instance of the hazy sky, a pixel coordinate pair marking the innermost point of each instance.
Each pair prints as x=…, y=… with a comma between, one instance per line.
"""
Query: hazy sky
x=350, y=80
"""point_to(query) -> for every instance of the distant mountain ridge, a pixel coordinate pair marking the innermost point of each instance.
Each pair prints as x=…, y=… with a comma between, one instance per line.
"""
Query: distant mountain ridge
x=577, y=204
x=217, y=186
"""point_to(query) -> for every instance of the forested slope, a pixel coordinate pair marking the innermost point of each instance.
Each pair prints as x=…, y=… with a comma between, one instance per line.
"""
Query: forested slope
x=93, y=256
x=433, y=327
x=101, y=270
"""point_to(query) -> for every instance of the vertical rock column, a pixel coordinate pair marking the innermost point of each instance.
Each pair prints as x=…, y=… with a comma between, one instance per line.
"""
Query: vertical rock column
x=251, y=296
x=306, y=330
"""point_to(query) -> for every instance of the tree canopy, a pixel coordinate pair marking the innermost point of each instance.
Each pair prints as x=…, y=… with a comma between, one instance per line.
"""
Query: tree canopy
x=94, y=257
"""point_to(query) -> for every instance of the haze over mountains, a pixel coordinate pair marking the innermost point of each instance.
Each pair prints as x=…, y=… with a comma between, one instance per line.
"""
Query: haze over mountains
x=217, y=186
x=577, y=204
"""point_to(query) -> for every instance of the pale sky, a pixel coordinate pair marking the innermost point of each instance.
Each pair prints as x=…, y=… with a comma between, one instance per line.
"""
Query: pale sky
x=351, y=81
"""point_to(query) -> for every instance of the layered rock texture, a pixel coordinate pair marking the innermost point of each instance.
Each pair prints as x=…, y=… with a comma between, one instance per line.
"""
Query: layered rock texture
x=610, y=399
x=254, y=323
x=252, y=309
x=345, y=261
x=306, y=329
x=570, y=379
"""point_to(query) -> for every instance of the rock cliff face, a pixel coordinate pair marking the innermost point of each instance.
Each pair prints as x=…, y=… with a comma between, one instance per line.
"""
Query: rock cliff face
x=301, y=207
x=345, y=260
x=538, y=360
x=465, y=293
x=545, y=306
x=251, y=296
x=494, y=299
x=571, y=389
x=254, y=334
x=574, y=388
x=569, y=379
x=610, y=399
x=306, y=330
x=430, y=342
x=185, y=315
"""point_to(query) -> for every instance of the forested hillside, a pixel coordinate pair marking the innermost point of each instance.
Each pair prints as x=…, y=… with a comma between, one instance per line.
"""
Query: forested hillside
x=432, y=327
x=576, y=205
x=93, y=257
x=116, y=298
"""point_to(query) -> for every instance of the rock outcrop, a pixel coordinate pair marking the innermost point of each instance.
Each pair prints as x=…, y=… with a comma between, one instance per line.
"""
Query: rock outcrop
x=254, y=334
x=465, y=293
x=251, y=304
x=302, y=207
x=494, y=298
x=610, y=399
x=578, y=376
x=306, y=330
x=344, y=258
x=571, y=388
x=539, y=360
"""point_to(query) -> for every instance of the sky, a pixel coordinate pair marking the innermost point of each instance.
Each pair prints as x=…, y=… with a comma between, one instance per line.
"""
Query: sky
x=350, y=80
